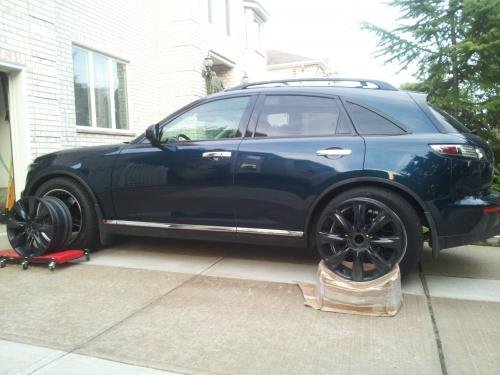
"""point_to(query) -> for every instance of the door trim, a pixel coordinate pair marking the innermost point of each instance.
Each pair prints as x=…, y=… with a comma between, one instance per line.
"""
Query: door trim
x=270, y=232
x=205, y=228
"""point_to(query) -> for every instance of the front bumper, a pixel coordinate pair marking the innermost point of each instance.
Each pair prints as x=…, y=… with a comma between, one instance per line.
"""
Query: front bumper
x=470, y=220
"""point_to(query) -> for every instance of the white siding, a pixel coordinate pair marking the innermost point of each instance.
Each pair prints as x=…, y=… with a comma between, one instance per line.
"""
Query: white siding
x=162, y=41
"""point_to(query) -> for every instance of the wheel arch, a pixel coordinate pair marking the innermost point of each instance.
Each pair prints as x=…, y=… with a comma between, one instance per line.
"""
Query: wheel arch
x=71, y=176
x=411, y=197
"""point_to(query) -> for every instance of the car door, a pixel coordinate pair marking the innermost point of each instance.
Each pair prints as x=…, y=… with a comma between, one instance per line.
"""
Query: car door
x=296, y=147
x=189, y=180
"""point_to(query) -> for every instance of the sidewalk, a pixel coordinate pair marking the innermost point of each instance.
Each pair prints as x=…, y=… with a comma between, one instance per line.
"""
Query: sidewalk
x=197, y=308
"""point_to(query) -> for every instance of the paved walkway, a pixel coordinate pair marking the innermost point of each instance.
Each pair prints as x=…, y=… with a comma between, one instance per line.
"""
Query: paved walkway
x=198, y=308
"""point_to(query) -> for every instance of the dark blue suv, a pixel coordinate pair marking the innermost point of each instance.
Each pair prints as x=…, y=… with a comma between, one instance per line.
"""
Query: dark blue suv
x=365, y=174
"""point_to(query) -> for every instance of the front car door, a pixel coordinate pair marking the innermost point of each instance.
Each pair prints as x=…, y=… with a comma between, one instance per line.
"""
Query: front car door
x=296, y=147
x=189, y=180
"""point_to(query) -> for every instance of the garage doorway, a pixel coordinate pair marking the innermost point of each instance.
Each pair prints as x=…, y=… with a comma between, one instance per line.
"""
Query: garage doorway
x=15, y=143
x=7, y=186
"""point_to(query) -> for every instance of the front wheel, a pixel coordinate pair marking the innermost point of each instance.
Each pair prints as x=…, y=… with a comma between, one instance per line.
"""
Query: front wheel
x=84, y=228
x=363, y=233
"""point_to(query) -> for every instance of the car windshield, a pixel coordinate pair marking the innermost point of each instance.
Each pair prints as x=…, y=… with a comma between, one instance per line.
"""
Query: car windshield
x=450, y=123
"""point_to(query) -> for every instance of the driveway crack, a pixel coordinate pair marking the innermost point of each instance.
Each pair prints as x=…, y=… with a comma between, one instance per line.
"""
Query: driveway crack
x=437, y=337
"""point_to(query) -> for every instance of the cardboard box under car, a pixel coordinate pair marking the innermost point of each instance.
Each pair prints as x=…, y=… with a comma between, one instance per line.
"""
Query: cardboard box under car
x=381, y=297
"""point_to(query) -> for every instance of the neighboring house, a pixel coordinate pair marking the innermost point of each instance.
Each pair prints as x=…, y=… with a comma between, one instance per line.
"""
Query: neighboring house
x=288, y=65
x=88, y=72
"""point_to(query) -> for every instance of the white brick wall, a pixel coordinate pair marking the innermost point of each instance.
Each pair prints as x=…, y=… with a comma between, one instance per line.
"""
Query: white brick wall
x=163, y=41
x=39, y=35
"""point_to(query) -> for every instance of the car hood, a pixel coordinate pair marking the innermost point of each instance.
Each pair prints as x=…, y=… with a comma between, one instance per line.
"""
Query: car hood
x=72, y=154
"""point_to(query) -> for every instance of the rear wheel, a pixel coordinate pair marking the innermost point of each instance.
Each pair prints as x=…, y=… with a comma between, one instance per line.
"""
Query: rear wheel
x=363, y=233
x=84, y=230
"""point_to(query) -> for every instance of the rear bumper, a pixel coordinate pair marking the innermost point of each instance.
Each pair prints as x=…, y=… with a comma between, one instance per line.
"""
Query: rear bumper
x=470, y=220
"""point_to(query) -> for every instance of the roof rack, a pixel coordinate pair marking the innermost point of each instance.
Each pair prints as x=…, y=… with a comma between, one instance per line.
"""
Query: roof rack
x=363, y=83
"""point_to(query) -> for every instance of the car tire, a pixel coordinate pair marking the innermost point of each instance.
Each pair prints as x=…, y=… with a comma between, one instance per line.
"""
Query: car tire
x=85, y=228
x=65, y=221
x=363, y=233
x=36, y=226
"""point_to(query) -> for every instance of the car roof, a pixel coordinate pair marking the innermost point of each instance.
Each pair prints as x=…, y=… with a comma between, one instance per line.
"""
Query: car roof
x=322, y=81
x=329, y=86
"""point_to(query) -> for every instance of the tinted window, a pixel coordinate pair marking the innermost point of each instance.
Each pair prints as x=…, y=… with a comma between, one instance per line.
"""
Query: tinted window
x=450, y=123
x=214, y=120
x=288, y=116
x=369, y=123
x=398, y=105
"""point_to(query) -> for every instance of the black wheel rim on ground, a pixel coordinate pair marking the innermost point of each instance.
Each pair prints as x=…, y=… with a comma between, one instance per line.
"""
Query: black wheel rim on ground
x=74, y=208
x=362, y=239
x=31, y=227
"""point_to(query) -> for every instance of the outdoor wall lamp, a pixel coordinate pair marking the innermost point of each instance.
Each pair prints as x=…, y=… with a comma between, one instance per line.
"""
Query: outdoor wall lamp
x=213, y=83
x=208, y=62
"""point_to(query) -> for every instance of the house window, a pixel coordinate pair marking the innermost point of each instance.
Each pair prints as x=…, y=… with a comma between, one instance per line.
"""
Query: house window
x=228, y=18
x=253, y=33
x=100, y=90
x=257, y=26
x=209, y=4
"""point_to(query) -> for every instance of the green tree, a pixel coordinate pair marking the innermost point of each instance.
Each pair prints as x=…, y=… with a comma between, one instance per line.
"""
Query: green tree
x=455, y=45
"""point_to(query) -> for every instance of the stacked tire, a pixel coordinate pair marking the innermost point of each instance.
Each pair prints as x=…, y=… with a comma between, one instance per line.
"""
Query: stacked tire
x=37, y=226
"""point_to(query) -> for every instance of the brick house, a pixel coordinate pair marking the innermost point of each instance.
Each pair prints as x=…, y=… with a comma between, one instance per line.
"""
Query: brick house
x=88, y=72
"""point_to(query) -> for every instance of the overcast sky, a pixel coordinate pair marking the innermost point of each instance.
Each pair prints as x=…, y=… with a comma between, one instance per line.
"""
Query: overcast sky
x=331, y=29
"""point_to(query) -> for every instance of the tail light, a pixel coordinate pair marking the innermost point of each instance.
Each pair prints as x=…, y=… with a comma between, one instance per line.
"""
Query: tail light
x=464, y=151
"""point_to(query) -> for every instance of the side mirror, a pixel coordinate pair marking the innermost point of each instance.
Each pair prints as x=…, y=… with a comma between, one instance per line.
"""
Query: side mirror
x=153, y=135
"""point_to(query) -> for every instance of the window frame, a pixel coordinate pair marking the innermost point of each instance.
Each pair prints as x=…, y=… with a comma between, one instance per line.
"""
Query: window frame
x=93, y=112
x=245, y=118
x=260, y=24
x=399, y=124
x=210, y=11
x=252, y=128
x=228, y=17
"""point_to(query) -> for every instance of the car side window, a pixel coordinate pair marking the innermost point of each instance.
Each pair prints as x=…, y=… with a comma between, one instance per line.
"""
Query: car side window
x=218, y=119
x=295, y=115
x=370, y=123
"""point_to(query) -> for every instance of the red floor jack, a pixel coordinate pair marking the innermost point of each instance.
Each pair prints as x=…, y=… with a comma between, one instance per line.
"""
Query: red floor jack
x=51, y=259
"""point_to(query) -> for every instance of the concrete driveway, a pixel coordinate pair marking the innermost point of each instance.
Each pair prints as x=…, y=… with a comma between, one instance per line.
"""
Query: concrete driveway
x=149, y=305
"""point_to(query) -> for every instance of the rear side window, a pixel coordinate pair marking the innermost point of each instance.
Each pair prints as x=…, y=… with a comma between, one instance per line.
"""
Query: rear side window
x=370, y=123
x=295, y=115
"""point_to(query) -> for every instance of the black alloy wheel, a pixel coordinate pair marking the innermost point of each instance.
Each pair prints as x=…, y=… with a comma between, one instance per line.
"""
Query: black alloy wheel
x=361, y=239
x=73, y=206
x=82, y=209
x=36, y=226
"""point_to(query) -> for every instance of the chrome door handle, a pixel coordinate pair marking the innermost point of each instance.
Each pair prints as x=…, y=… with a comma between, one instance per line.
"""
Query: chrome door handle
x=248, y=166
x=216, y=154
x=334, y=152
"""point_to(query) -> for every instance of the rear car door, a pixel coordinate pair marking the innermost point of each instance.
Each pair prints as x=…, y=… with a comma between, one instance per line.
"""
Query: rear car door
x=296, y=146
x=190, y=179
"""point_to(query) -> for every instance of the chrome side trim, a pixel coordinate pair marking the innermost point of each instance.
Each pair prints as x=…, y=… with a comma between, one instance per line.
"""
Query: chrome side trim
x=208, y=228
x=144, y=224
x=270, y=232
